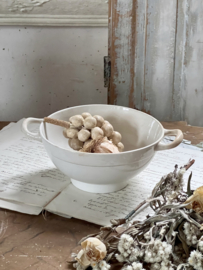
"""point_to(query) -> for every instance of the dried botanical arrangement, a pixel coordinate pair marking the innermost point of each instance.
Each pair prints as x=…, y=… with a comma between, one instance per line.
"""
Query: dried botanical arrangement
x=169, y=239
x=87, y=133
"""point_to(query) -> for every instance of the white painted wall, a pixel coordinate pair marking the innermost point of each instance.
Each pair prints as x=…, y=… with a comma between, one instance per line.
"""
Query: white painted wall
x=54, y=7
x=45, y=69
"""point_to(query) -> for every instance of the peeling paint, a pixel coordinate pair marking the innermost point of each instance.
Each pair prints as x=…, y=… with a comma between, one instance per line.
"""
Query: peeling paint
x=26, y=5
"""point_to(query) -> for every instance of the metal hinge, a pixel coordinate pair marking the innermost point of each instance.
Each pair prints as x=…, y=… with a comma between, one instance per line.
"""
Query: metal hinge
x=107, y=70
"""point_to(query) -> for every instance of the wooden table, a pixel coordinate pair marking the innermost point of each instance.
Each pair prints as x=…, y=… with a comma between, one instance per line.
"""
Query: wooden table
x=38, y=243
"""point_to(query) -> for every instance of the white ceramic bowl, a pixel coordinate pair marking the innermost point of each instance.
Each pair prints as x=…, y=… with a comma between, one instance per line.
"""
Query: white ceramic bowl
x=103, y=173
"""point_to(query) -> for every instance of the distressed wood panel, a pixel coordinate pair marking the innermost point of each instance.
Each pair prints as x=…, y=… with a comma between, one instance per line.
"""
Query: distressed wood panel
x=142, y=53
x=178, y=105
x=159, y=58
x=193, y=64
x=188, y=81
x=156, y=49
x=121, y=29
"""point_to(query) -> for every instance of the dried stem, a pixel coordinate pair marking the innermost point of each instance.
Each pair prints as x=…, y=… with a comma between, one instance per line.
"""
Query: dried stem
x=189, y=164
x=57, y=122
x=135, y=210
x=155, y=194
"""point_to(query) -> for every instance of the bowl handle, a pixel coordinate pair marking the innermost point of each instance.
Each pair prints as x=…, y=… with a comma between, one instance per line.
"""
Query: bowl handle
x=171, y=132
x=32, y=135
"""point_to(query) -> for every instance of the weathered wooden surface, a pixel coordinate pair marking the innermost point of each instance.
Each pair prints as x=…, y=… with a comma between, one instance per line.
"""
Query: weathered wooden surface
x=191, y=133
x=36, y=243
x=31, y=242
x=157, y=58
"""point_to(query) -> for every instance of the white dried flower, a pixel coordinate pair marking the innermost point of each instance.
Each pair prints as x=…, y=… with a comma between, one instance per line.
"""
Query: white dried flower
x=137, y=266
x=134, y=266
x=167, y=265
x=158, y=251
x=128, y=267
x=128, y=251
x=135, y=254
x=78, y=266
x=192, y=233
x=175, y=186
x=184, y=266
x=93, y=251
x=196, y=260
x=147, y=236
x=155, y=266
x=200, y=245
x=120, y=257
x=173, y=195
x=102, y=265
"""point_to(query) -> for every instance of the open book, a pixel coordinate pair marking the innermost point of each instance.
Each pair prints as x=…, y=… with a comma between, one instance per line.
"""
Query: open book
x=30, y=183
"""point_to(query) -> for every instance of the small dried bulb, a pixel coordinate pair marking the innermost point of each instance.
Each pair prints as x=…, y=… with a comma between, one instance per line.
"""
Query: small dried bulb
x=90, y=122
x=100, y=120
x=77, y=120
x=83, y=135
x=75, y=144
x=115, y=137
x=107, y=129
x=85, y=115
x=97, y=133
x=120, y=147
x=64, y=133
x=72, y=133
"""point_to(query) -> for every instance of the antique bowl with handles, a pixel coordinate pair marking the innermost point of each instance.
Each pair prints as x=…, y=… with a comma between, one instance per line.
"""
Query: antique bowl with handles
x=99, y=172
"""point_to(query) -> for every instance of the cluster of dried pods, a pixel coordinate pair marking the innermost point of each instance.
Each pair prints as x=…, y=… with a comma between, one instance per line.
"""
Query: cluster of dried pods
x=87, y=133
x=169, y=239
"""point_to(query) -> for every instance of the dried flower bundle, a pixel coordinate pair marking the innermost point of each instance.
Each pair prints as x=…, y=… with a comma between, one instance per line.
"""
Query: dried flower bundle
x=170, y=239
x=87, y=133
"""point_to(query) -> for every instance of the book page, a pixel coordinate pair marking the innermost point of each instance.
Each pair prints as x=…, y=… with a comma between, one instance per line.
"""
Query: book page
x=27, y=175
x=100, y=208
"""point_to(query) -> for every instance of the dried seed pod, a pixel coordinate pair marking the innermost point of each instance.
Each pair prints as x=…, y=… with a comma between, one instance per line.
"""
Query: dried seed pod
x=87, y=143
x=83, y=135
x=120, y=147
x=86, y=114
x=75, y=144
x=115, y=137
x=97, y=133
x=108, y=129
x=77, y=120
x=90, y=122
x=105, y=146
x=87, y=146
x=102, y=145
x=100, y=120
x=72, y=133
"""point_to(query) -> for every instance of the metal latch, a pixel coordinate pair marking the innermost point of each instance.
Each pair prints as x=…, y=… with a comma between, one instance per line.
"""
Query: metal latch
x=107, y=70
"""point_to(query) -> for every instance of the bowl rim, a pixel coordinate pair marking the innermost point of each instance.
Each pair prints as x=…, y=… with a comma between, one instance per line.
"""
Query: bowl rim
x=104, y=154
